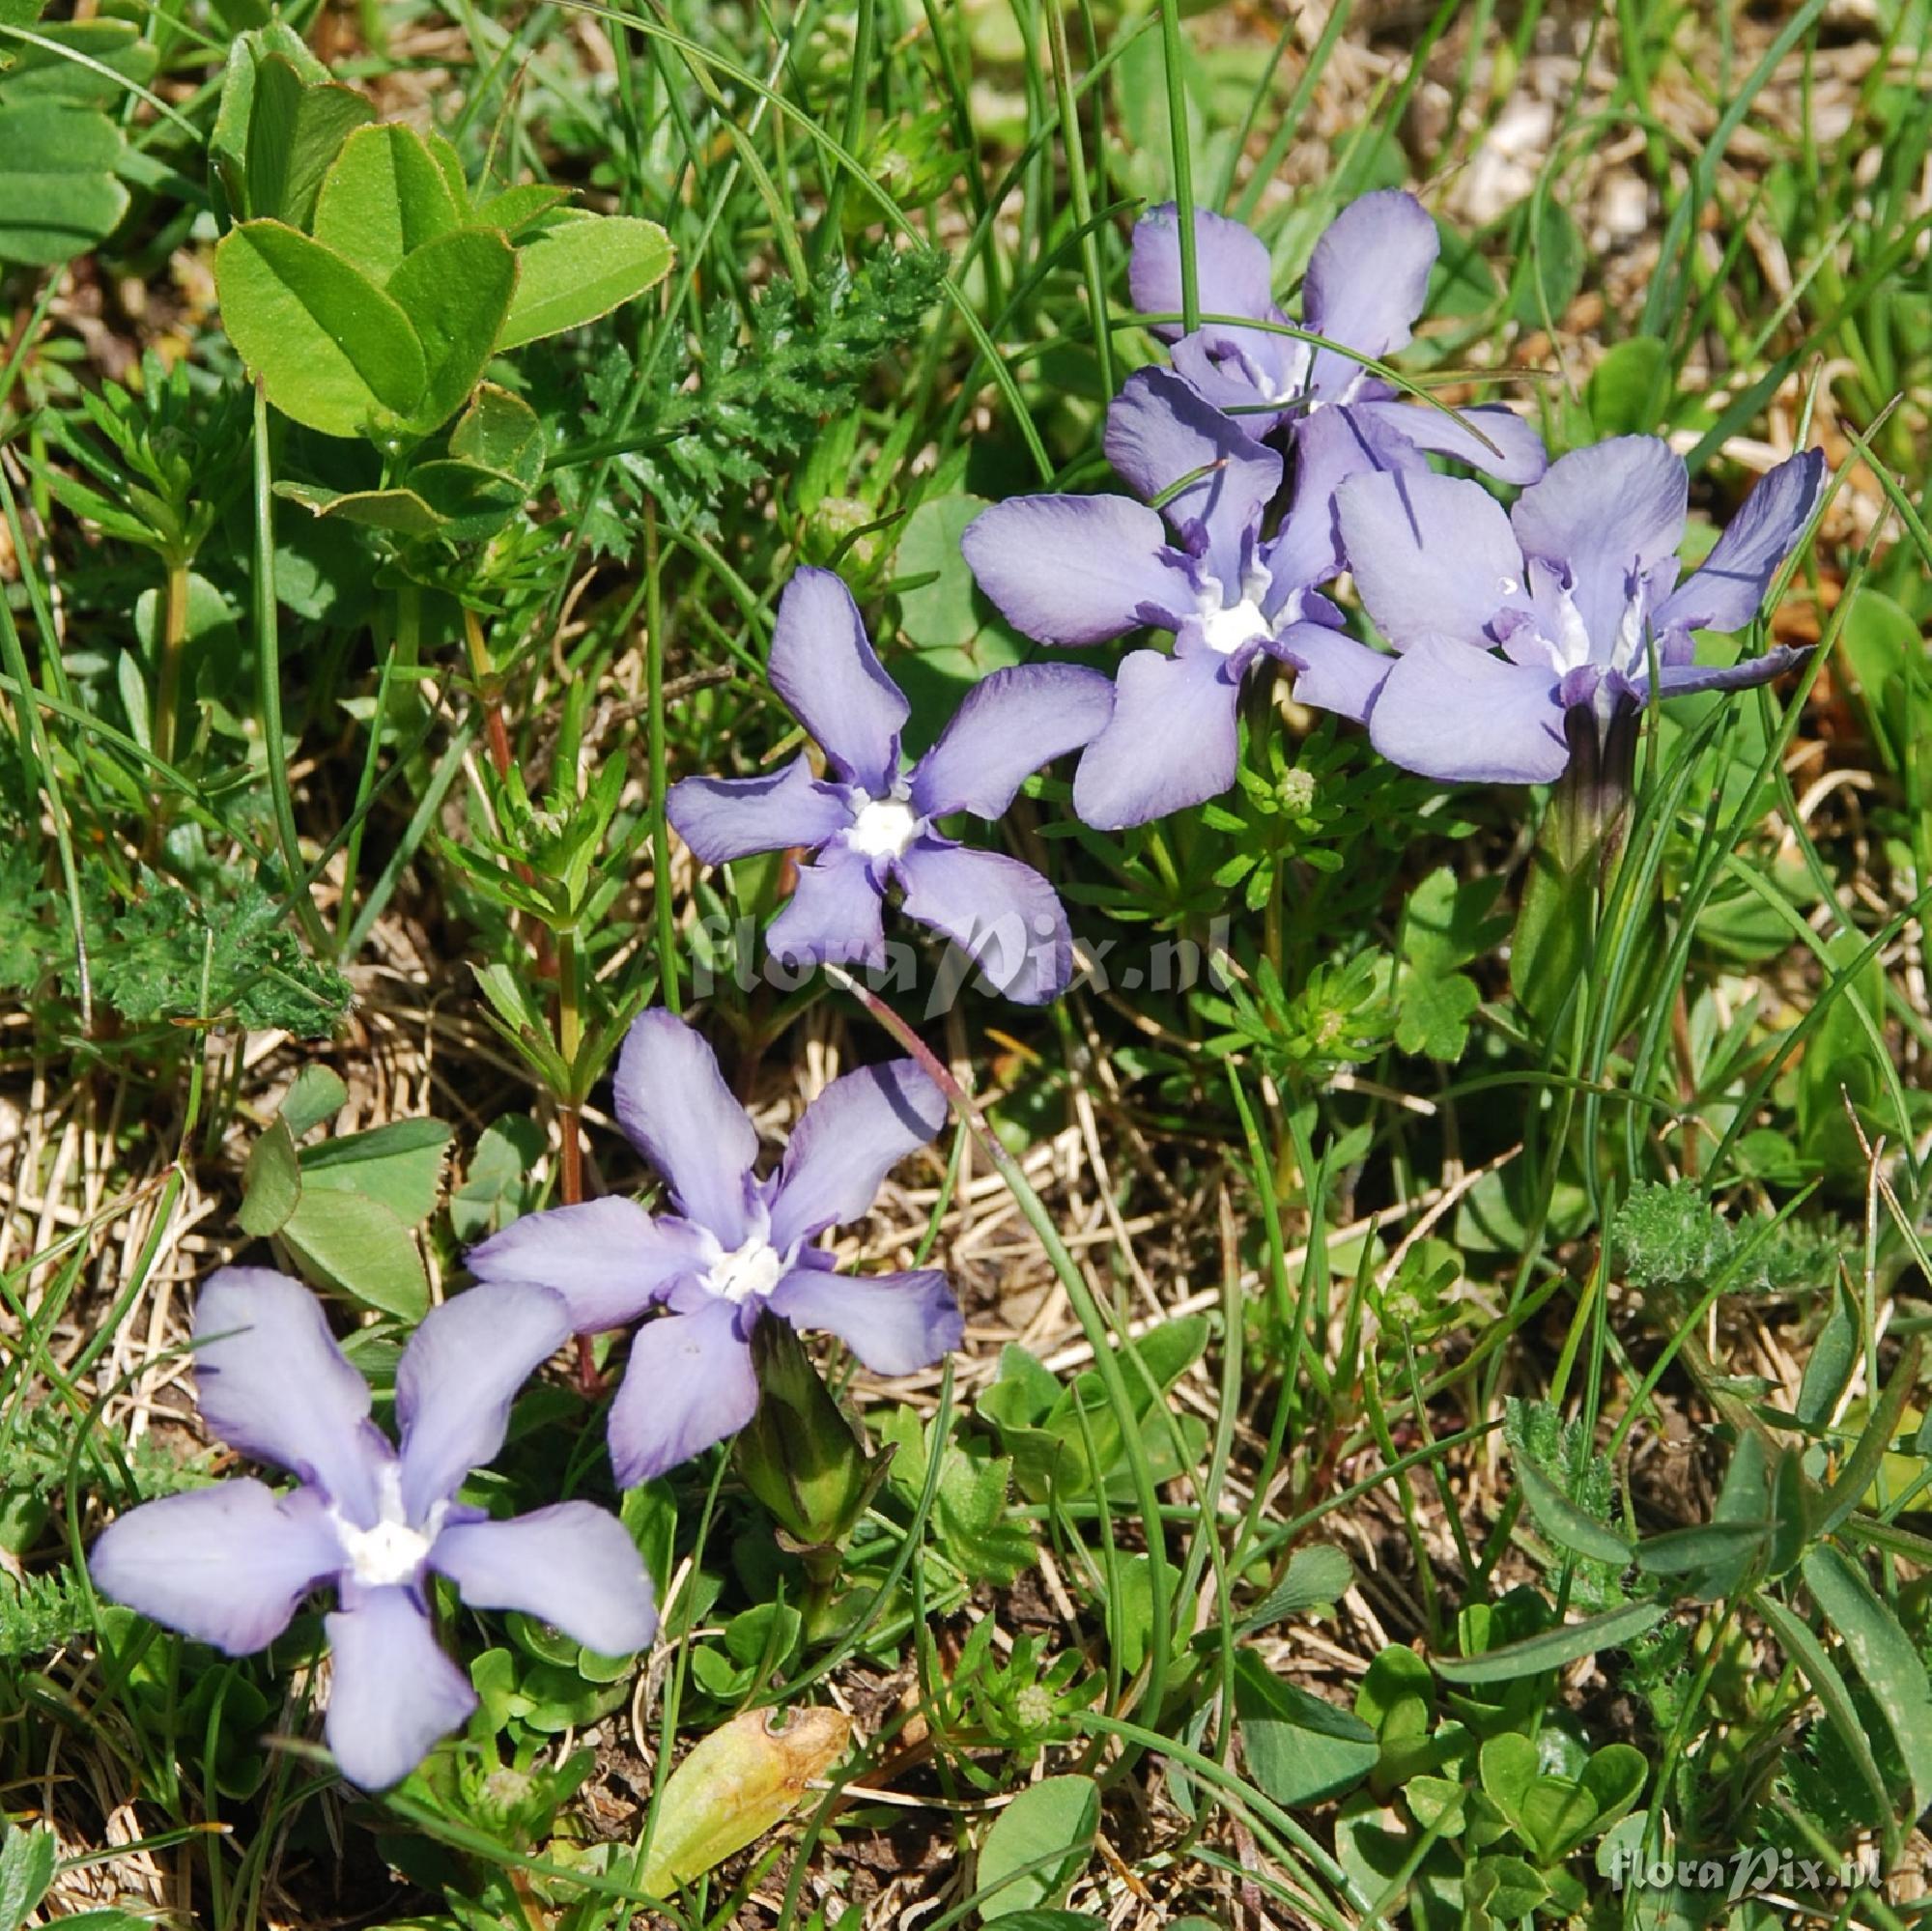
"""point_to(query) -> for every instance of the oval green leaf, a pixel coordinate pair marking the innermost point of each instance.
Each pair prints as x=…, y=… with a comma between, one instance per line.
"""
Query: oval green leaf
x=1038, y=1844
x=296, y=127
x=1885, y=1658
x=355, y=1244
x=456, y=290
x=58, y=194
x=332, y=349
x=383, y=197
x=580, y=269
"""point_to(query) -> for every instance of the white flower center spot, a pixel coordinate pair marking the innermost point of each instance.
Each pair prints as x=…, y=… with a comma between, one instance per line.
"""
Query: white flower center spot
x=1228, y=629
x=883, y=828
x=753, y=1269
x=392, y=1552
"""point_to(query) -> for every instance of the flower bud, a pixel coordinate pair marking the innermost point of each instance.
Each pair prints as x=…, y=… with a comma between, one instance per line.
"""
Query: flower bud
x=800, y=1456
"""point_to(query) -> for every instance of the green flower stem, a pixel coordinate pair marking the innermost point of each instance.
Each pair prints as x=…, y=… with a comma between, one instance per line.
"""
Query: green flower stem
x=1172, y=57
x=167, y=682
x=654, y=694
x=269, y=685
x=570, y=1122
x=1093, y=1322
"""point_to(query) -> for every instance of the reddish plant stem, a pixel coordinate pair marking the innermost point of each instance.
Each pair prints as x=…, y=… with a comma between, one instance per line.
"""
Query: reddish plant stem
x=496, y=734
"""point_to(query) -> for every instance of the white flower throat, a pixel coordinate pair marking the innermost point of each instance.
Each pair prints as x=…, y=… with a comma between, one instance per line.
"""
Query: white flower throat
x=392, y=1552
x=752, y=1269
x=1228, y=626
x=1228, y=629
x=883, y=827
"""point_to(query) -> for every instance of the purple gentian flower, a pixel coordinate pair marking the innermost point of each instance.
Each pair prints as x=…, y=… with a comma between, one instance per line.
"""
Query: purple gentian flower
x=737, y=1249
x=230, y=1564
x=1367, y=282
x=870, y=825
x=1574, y=587
x=1078, y=570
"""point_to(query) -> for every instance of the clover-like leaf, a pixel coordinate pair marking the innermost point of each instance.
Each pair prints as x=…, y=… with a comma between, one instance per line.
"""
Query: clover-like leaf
x=383, y=197
x=580, y=268
x=58, y=192
x=455, y=291
x=335, y=351
x=296, y=129
x=518, y=210
x=401, y=512
x=500, y=431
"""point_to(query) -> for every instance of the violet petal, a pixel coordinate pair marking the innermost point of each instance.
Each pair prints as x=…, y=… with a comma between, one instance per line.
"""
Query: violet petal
x=895, y=1324
x=689, y=1384
x=845, y=1143
x=676, y=1110
x=572, y=1565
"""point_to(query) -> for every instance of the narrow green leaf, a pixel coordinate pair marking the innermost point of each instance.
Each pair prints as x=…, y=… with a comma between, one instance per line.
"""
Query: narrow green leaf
x=1790, y=1512
x=296, y=127
x=1833, y=1355
x=383, y=197
x=580, y=269
x=333, y=350
x=1549, y=949
x=1702, y=1545
x=1884, y=1658
x=1564, y=1522
x=1552, y=1649
x=456, y=290
x=1881, y=1429
x=1804, y=1649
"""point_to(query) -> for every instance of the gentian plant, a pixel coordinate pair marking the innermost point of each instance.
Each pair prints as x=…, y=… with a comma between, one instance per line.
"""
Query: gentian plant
x=230, y=1564
x=873, y=825
x=1367, y=283
x=737, y=1250
x=1080, y=570
x=1509, y=624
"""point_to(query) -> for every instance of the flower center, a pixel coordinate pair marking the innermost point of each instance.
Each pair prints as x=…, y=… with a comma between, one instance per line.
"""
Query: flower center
x=1229, y=627
x=392, y=1552
x=883, y=828
x=751, y=1270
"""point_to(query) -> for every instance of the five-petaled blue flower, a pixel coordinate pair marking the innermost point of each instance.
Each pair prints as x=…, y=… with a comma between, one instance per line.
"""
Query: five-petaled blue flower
x=1080, y=570
x=1508, y=622
x=1367, y=282
x=738, y=1248
x=230, y=1564
x=872, y=825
